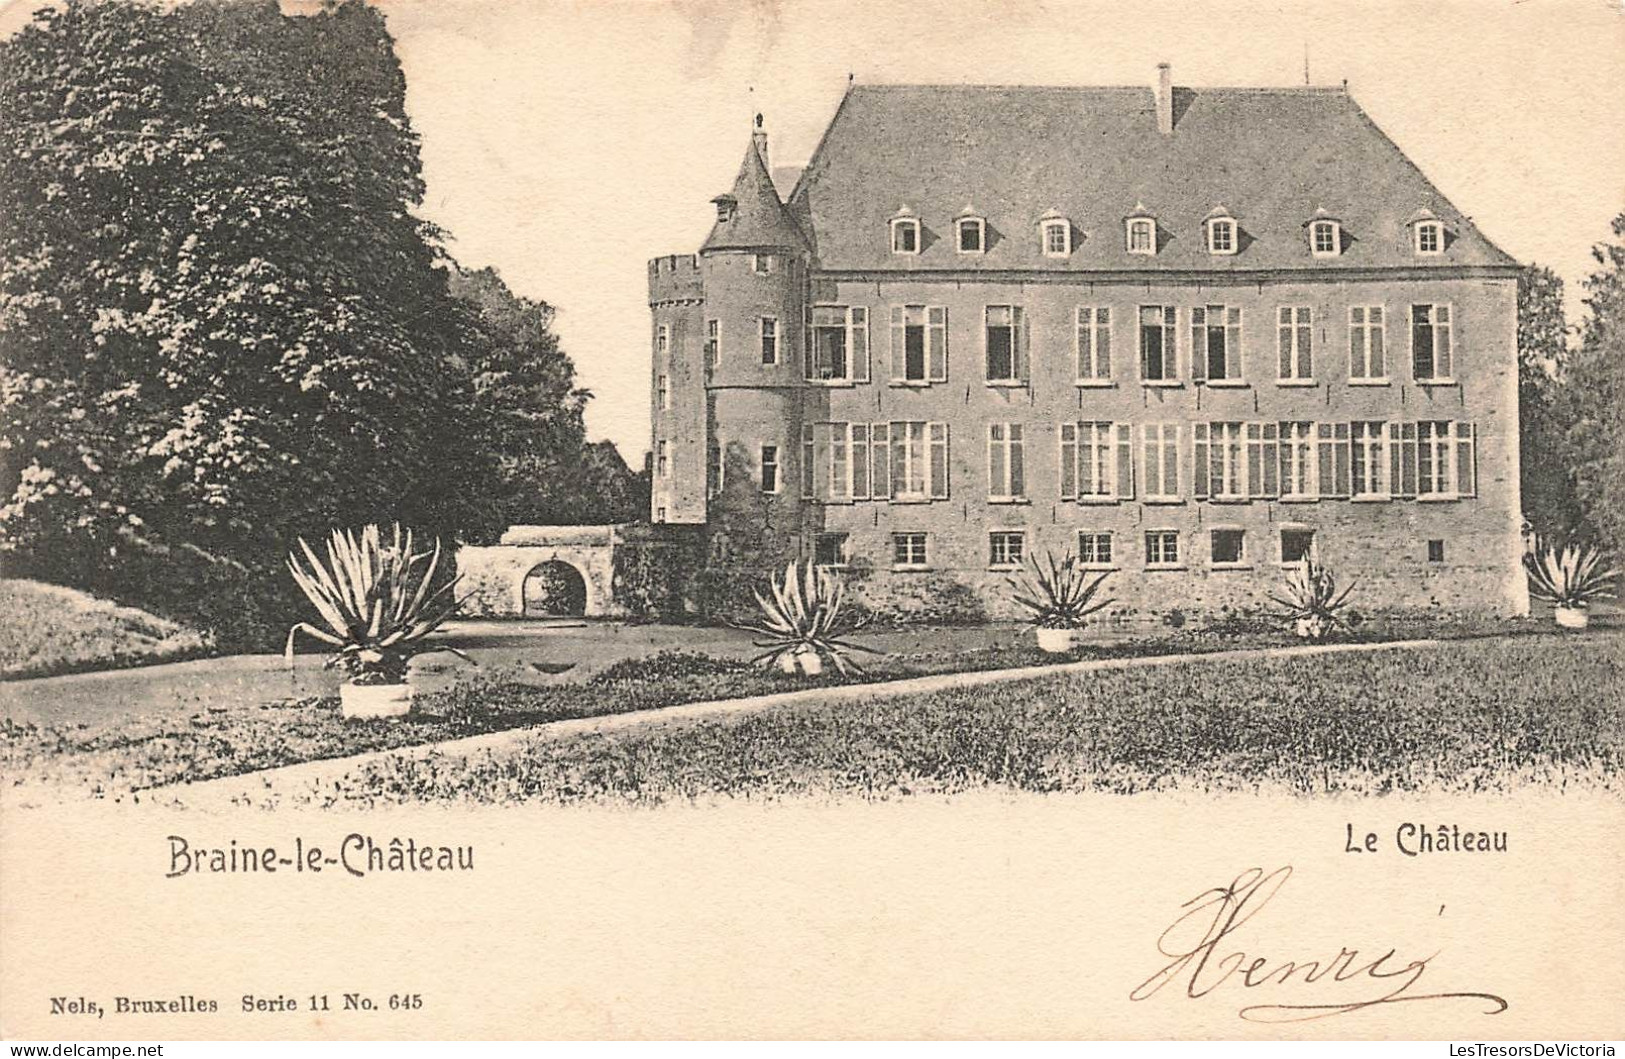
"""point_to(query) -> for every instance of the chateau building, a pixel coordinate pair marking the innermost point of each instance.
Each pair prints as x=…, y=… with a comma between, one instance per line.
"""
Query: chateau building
x=1189, y=335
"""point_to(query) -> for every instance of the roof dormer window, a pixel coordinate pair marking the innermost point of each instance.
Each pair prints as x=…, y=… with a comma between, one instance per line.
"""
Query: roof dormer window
x=1055, y=235
x=970, y=233
x=1221, y=232
x=1429, y=237
x=905, y=233
x=1325, y=237
x=725, y=207
x=1141, y=233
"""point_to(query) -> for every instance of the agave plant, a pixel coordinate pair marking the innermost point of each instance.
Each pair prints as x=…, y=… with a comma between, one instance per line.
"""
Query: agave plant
x=378, y=600
x=1058, y=593
x=1571, y=576
x=1311, y=601
x=802, y=622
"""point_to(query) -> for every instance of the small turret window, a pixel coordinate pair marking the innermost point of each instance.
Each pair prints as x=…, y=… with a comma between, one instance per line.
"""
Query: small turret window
x=905, y=235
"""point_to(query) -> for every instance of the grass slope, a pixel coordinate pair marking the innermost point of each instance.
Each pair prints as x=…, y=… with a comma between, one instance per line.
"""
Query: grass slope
x=50, y=629
x=1467, y=716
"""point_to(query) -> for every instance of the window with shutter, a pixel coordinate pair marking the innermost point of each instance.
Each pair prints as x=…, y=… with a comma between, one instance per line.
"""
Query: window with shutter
x=1263, y=459
x=1431, y=343
x=1334, y=459
x=1094, y=344
x=1123, y=461
x=1158, y=356
x=1368, y=359
x=936, y=342
x=1298, y=480
x=1216, y=343
x=1227, y=461
x=1369, y=460
x=1199, y=458
x=1097, y=461
x=1295, y=341
x=1402, y=459
x=1159, y=460
x=840, y=467
x=808, y=464
x=1466, y=460
x=919, y=343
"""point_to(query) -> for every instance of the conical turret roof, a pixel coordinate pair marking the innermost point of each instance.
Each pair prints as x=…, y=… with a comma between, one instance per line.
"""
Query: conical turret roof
x=757, y=218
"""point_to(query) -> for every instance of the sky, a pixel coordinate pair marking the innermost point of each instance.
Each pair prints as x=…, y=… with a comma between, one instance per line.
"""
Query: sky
x=567, y=142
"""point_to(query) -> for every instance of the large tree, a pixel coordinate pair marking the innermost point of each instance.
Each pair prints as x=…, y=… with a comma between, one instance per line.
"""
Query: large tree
x=1595, y=395
x=1543, y=362
x=222, y=323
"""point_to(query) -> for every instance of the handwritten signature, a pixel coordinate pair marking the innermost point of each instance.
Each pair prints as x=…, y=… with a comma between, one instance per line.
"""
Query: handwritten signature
x=1216, y=914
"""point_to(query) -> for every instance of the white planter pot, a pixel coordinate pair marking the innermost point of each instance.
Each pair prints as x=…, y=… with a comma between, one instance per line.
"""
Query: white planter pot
x=1571, y=617
x=1056, y=641
x=810, y=662
x=375, y=700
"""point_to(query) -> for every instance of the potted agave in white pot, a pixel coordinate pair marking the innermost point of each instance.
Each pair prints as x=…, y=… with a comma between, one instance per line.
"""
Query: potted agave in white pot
x=1058, y=597
x=1570, y=577
x=802, y=623
x=378, y=601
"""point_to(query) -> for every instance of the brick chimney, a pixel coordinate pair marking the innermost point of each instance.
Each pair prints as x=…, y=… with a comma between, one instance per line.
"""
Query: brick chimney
x=759, y=137
x=1165, y=99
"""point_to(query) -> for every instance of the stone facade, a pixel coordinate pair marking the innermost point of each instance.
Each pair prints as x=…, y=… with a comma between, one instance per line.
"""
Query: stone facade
x=762, y=454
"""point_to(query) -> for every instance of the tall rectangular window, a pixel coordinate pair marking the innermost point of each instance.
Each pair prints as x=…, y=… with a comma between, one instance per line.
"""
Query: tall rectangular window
x=1159, y=460
x=1158, y=357
x=860, y=461
x=880, y=460
x=662, y=339
x=663, y=392
x=919, y=343
x=919, y=463
x=1220, y=460
x=1430, y=342
x=1006, y=462
x=1368, y=360
x=770, y=468
x=840, y=465
x=1097, y=461
x=713, y=342
x=662, y=461
x=1369, y=459
x=1263, y=459
x=770, y=340
x=1446, y=459
x=1216, y=343
x=1333, y=459
x=1094, y=342
x=1295, y=341
x=908, y=550
x=1005, y=333
x=838, y=350
x=1298, y=461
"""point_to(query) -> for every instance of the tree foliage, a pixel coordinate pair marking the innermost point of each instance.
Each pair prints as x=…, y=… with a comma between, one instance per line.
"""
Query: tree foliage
x=222, y=322
x=1595, y=392
x=1549, y=502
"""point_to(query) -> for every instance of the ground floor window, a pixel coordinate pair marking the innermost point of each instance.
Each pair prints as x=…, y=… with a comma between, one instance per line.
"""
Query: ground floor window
x=1094, y=548
x=1006, y=547
x=1162, y=548
x=829, y=549
x=1297, y=545
x=908, y=549
x=1228, y=547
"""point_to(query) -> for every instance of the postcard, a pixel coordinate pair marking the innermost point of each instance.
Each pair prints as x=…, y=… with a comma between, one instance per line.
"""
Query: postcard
x=812, y=520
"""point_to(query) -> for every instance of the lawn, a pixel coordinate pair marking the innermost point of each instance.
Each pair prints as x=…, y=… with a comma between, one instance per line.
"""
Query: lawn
x=1468, y=716
x=50, y=629
x=1241, y=722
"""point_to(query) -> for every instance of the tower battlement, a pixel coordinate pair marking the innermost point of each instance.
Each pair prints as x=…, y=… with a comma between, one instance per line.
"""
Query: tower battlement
x=675, y=277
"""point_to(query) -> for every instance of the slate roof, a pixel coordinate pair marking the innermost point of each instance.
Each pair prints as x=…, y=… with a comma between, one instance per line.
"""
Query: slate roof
x=759, y=218
x=1272, y=157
